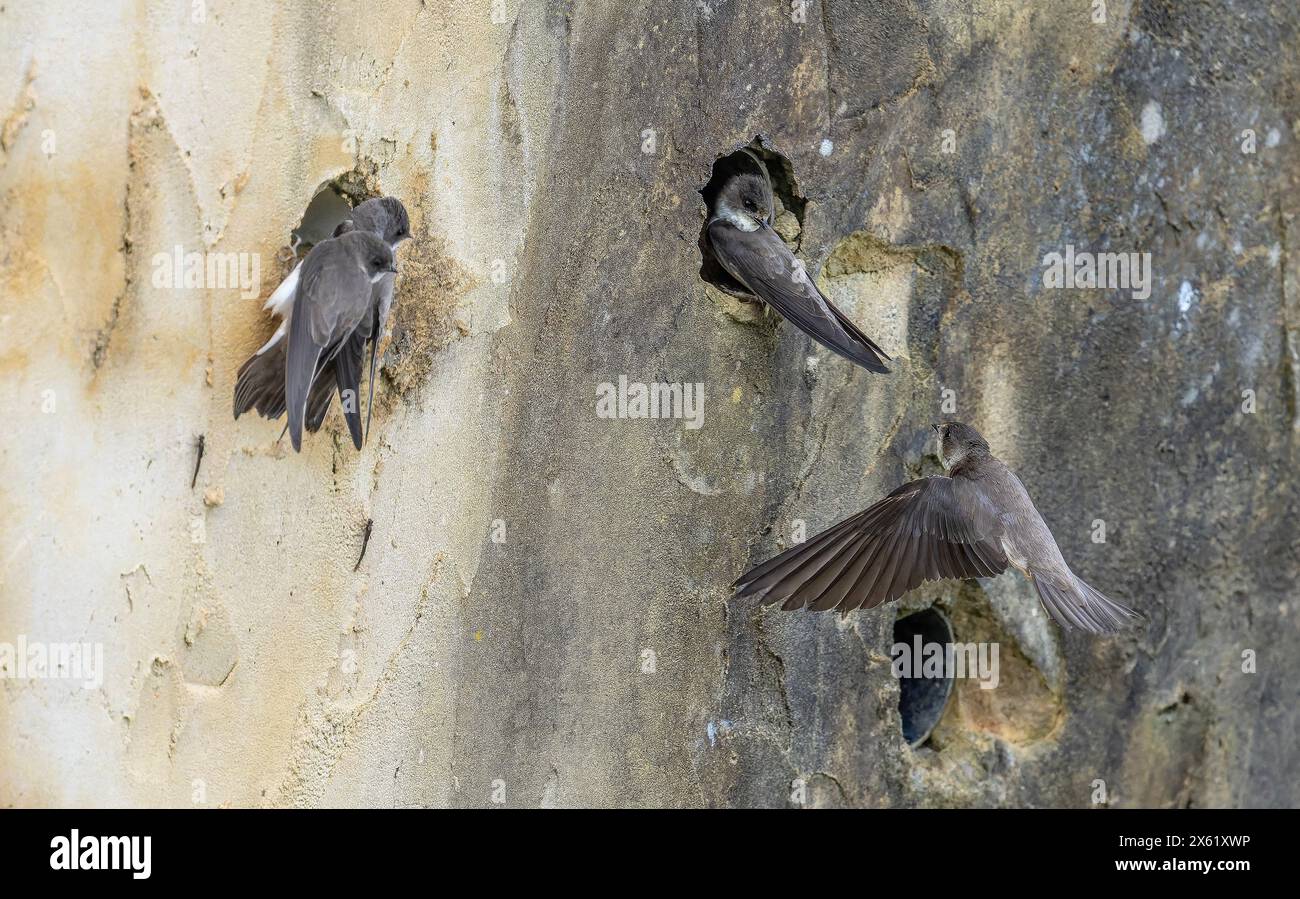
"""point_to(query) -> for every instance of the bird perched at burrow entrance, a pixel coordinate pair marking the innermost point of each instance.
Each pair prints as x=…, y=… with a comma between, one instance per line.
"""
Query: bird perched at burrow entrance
x=345, y=286
x=740, y=236
x=970, y=523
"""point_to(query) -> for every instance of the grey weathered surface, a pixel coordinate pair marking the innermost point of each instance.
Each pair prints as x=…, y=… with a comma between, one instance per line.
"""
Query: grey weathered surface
x=450, y=662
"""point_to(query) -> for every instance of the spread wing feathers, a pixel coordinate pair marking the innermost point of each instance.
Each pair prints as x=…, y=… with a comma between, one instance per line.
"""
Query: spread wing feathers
x=261, y=387
x=764, y=264
x=928, y=529
x=260, y=384
x=1074, y=603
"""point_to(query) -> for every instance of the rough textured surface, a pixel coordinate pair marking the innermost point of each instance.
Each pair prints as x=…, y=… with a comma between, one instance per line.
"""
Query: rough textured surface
x=246, y=663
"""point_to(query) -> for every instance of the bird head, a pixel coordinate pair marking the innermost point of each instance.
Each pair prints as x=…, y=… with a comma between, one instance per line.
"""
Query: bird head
x=958, y=442
x=375, y=254
x=745, y=200
x=384, y=216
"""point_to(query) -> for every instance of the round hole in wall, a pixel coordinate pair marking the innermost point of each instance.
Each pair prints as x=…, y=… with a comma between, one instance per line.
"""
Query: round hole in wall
x=327, y=208
x=760, y=157
x=921, y=699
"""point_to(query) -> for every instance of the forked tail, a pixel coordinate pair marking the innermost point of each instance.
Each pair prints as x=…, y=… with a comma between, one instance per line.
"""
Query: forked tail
x=1074, y=603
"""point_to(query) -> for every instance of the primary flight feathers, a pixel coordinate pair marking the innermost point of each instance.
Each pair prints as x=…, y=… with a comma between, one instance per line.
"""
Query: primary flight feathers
x=971, y=523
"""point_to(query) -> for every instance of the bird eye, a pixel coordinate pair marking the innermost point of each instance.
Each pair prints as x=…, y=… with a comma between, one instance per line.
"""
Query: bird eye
x=377, y=262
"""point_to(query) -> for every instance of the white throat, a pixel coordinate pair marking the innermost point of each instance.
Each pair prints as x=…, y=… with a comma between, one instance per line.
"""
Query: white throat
x=741, y=219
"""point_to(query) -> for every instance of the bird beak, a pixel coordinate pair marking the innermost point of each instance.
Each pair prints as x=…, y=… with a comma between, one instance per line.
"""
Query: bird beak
x=936, y=428
x=392, y=268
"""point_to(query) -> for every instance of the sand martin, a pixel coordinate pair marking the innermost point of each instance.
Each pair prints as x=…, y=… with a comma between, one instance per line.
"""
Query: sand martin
x=970, y=523
x=261, y=380
x=740, y=234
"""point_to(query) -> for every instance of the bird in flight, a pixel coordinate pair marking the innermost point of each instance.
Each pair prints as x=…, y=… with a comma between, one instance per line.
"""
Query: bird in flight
x=739, y=233
x=971, y=522
x=346, y=304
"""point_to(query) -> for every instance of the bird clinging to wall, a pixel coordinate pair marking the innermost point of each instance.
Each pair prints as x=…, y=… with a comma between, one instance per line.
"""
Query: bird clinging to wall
x=344, y=292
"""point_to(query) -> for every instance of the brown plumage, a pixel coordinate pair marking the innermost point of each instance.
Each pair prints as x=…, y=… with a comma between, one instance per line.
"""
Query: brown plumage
x=741, y=239
x=971, y=523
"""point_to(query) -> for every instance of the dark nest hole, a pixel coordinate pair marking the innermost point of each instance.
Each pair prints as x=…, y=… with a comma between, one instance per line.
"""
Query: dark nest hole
x=785, y=189
x=922, y=700
x=331, y=204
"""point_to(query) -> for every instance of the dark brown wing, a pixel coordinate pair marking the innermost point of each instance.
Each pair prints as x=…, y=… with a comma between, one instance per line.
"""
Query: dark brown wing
x=764, y=264
x=318, y=400
x=347, y=376
x=261, y=386
x=926, y=530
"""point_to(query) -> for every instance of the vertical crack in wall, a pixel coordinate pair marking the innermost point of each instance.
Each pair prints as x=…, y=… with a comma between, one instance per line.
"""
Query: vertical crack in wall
x=145, y=118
